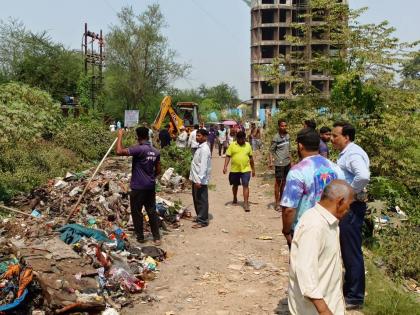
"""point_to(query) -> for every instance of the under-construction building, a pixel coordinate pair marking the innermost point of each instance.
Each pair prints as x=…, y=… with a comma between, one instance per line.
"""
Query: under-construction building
x=271, y=22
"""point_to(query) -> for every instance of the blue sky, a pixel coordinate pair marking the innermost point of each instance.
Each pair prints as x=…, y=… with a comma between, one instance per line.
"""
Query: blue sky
x=213, y=35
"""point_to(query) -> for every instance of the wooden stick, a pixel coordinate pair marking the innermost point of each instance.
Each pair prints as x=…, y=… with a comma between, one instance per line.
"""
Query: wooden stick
x=90, y=180
x=16, y=211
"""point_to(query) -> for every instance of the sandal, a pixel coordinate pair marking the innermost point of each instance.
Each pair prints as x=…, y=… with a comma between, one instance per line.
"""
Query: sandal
x=246, y=207
x=157, y=242
x=198, y=226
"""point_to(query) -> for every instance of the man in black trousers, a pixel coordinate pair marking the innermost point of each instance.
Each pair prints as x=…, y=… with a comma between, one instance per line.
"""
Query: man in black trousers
x=145, y=168
x=199, y=176
x=354, y=162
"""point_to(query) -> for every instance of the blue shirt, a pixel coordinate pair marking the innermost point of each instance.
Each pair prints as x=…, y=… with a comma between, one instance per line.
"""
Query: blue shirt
x=145, y=159
x=306, y=181
x=354, y=162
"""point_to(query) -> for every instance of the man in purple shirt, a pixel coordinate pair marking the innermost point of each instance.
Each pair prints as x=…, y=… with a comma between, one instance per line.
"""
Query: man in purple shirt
x=145, y=168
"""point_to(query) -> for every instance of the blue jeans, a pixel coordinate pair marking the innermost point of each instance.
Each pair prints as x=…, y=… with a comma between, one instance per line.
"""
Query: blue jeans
x=351, y=251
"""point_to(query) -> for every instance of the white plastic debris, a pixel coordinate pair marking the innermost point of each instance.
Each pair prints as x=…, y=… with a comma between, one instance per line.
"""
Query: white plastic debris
x=60, y=184
x=166, y=177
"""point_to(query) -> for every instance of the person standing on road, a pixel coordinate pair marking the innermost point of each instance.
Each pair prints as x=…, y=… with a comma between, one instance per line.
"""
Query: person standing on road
x=255, y=137
x=325, y=135
x=182, y=139
x=354, y=161
x=211, y=138
x=200, y=176
x=222, y=140
x=192, y=140
x=164, y=137
x=306, y=181
x=280, y=157
x=145, y=168
x=240, y=152
x=247, y=125
x=315, y=262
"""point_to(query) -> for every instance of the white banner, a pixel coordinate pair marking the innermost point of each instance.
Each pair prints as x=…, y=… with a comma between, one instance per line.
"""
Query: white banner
x=131, y=118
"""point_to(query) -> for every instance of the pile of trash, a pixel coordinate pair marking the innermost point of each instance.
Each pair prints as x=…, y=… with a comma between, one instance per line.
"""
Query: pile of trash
x=383, y=216
x=49, y=264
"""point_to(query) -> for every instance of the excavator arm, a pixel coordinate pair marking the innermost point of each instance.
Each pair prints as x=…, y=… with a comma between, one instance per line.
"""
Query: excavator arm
x=167, y=109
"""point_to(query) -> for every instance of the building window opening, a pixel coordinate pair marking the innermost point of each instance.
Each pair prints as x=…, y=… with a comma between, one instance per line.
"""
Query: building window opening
x=282, y=33
x=267, y=2
x=282, y=51
x=267, y=16
x=298, y=52
x=318, y=15
x=318, y=50
x=298, y=16
x=283, y=16
x=266, y=88
x=267, y=34
x=319, y=34
x=267, y=52
x=282, y=88
x=317, y=72
x=319, y=85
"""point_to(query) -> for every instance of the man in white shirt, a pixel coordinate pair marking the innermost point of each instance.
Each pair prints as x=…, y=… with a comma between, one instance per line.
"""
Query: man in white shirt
x=354, y=162
x=222, y=140
x=192, y=140
x=200, y=176
x=182, y=139
x=315, y=283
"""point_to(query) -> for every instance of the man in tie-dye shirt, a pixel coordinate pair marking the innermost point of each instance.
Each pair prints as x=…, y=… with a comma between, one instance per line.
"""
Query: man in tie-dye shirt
x=306, y=180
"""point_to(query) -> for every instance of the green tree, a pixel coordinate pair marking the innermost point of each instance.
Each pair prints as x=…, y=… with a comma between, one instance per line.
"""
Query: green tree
x=36, y=60
x=223, y=94
x=141, y=65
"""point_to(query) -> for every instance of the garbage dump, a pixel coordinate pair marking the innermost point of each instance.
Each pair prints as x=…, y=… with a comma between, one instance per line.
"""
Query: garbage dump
x=89, y=264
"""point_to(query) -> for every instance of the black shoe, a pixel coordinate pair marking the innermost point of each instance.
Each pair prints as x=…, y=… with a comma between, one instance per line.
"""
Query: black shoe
x=351, y=307
x=141, y=240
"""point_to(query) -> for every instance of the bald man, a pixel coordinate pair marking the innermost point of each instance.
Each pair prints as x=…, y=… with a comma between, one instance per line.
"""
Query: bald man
x=315, y=283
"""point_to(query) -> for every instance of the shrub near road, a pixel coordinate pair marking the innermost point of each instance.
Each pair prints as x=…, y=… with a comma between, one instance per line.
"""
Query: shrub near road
x=36, y=143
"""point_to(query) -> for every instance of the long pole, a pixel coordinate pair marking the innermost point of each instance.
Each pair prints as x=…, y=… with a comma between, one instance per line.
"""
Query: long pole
x=14, y=210
x=90, y=180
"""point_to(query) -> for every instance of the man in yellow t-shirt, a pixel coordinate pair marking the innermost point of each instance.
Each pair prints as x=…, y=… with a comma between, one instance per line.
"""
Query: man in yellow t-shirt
x=240, y=152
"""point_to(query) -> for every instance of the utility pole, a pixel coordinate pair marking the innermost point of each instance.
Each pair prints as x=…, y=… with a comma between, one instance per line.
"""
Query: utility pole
x=94, y=60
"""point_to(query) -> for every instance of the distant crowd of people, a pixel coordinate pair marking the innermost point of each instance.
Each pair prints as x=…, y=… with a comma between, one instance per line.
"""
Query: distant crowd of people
x=322, y=203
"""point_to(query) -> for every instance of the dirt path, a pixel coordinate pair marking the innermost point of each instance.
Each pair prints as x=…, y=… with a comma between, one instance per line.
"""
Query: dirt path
x=206, y=272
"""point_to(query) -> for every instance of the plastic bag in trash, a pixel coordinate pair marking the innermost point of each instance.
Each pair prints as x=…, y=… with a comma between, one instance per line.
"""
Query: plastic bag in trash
x=166, y=177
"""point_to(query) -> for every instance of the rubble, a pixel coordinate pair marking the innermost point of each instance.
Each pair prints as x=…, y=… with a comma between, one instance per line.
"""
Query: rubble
x=89, y=264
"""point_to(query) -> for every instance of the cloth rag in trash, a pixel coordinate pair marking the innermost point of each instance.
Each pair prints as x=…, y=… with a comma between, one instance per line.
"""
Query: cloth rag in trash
x=73, y=233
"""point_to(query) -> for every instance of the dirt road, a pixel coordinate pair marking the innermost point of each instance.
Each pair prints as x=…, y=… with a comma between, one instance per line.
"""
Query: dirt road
x=207, y=270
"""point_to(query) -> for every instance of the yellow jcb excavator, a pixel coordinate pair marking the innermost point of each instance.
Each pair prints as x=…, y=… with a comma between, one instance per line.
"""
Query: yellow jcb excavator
x=184, y=114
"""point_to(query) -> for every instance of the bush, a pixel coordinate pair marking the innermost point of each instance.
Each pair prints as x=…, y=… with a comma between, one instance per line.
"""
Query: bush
x=27, y=113
x=26, y=165
x=87, y=136
x=400, y=248
x=179, y=159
